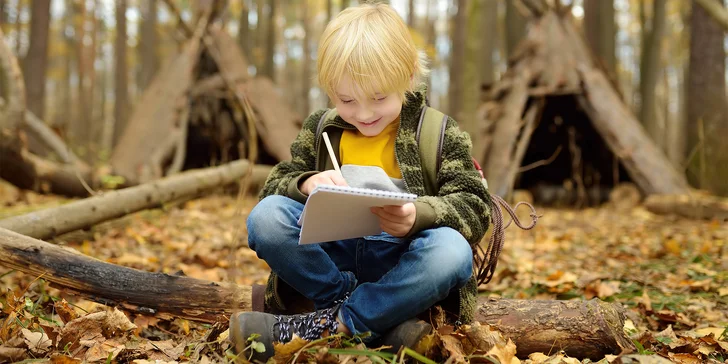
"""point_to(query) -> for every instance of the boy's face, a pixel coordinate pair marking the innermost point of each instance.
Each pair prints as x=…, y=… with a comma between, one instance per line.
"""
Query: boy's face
x=369, y=116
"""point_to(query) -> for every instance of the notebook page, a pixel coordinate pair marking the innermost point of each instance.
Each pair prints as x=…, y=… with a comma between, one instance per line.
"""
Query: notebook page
x=338, y=212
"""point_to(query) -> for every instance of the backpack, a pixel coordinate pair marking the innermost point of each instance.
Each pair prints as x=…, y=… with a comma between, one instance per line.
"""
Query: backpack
x=431, y=131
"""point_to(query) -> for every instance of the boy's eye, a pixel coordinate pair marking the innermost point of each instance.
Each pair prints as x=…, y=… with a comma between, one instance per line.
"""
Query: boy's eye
x=380, y=98
x=347, y=101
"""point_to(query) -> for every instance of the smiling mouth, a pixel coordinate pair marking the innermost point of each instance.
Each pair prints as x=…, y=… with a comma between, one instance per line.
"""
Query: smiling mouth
x=371, y=123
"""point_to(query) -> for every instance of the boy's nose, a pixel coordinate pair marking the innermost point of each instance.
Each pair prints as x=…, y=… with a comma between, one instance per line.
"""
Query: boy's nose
x=364, y=114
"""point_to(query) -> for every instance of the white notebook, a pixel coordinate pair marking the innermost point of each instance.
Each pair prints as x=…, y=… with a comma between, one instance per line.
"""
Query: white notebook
x=336, y=212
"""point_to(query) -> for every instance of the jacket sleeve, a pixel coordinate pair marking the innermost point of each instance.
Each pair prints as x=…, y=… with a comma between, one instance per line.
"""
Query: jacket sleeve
x=463, y=202
x=285, y=176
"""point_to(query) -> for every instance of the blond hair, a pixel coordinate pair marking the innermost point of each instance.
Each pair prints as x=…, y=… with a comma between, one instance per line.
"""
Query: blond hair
x=371, y=44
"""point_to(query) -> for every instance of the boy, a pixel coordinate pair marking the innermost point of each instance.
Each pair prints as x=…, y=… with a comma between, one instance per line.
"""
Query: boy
x=371, y=71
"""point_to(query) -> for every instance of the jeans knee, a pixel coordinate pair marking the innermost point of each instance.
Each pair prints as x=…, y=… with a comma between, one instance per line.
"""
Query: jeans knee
x=267, y=221
x=451, y=255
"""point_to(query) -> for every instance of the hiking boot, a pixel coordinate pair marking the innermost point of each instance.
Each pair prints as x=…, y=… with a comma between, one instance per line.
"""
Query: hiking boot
x=406, y=334
x=279, y=328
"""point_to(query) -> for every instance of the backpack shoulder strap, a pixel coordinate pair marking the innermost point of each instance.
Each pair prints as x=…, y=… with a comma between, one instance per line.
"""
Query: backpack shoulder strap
x=330, y=114
x=431, y=133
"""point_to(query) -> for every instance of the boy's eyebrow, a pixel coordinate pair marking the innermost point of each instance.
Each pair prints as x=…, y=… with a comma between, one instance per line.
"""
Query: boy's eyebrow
x=343, y=96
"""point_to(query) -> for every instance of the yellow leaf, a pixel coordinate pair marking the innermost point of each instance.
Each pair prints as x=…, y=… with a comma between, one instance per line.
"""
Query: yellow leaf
x=673, y=247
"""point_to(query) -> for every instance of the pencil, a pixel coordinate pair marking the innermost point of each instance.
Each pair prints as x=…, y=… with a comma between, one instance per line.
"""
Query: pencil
x=331, y=152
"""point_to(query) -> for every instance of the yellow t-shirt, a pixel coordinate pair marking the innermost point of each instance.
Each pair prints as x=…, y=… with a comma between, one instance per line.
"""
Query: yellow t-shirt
x=378, y=150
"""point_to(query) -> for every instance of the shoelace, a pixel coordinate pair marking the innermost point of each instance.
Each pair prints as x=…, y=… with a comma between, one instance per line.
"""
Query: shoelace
x=309, y=326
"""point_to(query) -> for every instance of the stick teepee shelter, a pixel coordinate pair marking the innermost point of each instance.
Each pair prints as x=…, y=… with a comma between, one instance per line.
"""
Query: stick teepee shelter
x=555, y=107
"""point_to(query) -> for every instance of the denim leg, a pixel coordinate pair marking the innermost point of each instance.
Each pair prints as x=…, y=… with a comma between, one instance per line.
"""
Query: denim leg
x=273, y=234
x=435, y=262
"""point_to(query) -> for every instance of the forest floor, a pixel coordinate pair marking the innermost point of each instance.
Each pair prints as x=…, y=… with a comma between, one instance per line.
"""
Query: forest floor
x=670, y=274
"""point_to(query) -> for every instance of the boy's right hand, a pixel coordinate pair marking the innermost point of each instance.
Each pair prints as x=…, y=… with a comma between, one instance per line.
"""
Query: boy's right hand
x=330, y=177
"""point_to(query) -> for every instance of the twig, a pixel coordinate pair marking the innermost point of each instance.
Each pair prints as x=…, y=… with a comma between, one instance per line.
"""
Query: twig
x=542, y=162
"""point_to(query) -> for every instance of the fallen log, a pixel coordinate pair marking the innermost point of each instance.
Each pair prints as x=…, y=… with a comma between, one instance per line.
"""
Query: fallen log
x=691, y=206
x=31, y=172
x=110, y=205
x=583, y=329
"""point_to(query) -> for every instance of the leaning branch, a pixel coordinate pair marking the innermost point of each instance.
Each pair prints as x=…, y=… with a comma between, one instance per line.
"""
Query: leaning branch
x=109, y=205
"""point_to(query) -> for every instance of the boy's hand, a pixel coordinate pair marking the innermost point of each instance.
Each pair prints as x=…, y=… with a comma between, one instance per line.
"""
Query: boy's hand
x=330, y=177
x=396, y=220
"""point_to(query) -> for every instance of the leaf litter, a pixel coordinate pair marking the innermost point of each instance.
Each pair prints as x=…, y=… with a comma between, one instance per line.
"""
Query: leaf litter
x=669, y=273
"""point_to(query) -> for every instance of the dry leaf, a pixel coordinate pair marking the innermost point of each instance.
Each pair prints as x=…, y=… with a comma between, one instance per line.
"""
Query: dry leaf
x=284, y=352
x=104, y=350
x=38, y=342
x=504, y=353
x=65, y=311
x=454, y=349
x=10, y=354
x=63, y=359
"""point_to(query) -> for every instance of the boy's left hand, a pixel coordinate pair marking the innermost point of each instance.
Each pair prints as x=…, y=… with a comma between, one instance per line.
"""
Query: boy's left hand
x=396, y=220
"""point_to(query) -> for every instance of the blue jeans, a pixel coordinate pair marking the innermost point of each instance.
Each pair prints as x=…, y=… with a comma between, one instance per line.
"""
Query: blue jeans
x=388, y=280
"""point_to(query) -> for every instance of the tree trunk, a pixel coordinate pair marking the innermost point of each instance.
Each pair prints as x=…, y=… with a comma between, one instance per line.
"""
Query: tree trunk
x=36, y=61
x=28, y=171
x=489, y=19
x=121, y=84
x=623, y=134
x=649, y=73
x=148, y=53
x=411, y=14
x=706, y=99
x=306, y=64
x=716, y=10
x=457, y=61
x=79, y=130
x=13, y=115
x=600, y=32
x=85, y=213
x=583, y=329
x=691, y=206
x=471, y=70
x=134, y=290
x=329, y=10
x=244, y=31
x=270, y=44
x=515, y=27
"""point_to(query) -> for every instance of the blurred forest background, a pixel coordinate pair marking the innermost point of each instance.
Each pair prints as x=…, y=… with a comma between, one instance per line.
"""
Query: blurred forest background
x=86, y=63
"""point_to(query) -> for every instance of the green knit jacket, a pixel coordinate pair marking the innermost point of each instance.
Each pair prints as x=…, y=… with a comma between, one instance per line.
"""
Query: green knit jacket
x=463, y=202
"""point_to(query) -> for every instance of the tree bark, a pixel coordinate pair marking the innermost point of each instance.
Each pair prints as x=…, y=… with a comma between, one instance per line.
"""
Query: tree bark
x=28, y=171
x=14, y=113
x=110, y=205
x=691, y=206
x=489, y=19
x=244, y=35
x=148, y=52
x=649, y=72
x=457, y=62
x=411, y=14
x=600, y=32
x=121, y=84
x=306, y=64
x=706, y=101
x=583, y=329
x=134, y=290
x=78, y=134
x=36, y=60
x=515, y=28
x=715, y=9
x=270, y=44
x=623, y=134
